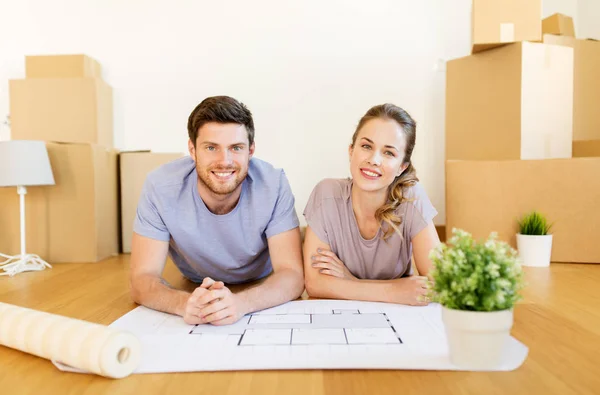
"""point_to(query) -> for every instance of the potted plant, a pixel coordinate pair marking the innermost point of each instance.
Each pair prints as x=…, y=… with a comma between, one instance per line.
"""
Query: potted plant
x=533, y=241
x=477, y=285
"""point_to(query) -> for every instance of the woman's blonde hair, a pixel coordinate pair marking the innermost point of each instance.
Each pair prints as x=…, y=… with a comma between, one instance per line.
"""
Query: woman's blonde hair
x=387, y=212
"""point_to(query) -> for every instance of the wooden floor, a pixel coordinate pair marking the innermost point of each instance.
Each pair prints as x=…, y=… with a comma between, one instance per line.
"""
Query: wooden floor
x=559, y=321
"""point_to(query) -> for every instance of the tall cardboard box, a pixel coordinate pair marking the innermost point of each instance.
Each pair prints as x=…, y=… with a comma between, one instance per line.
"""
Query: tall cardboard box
x=66, y=110
x=586, y=85
x=61, y=66
x=486, y=196
x=499, y=22
x=513, y=102
x=74, y=220
x=558, y=24
x=586, y=148
x=134, y=167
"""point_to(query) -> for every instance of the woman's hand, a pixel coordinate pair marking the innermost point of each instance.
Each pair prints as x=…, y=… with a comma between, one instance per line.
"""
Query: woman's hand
x=326, y=262
x=412, y=291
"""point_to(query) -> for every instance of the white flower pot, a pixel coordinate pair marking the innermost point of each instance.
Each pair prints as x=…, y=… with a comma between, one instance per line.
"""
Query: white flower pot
x=534, y=250
x=476, y=339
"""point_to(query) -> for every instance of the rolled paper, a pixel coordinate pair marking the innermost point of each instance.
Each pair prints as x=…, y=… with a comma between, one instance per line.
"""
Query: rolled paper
x=80, y=344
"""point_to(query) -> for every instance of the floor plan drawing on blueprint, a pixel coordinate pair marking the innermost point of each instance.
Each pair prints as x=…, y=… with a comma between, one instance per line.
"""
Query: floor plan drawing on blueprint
x=307, y=334
x=339, y=326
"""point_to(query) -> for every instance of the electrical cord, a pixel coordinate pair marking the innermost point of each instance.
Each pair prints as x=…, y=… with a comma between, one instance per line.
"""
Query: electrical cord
x=17, y=264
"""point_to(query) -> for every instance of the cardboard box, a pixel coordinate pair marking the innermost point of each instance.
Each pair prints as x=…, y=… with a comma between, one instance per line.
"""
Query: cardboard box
x=586, y=148
x=504, y=104
x=134, y=167
x=586, y=85
x=66, y=110
x=559, y=24
x=74, y=220
x=499, y=22
x=61, y=66
x=486, y=196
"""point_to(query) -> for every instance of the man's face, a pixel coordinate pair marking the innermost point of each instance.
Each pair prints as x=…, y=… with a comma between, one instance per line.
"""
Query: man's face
x=222, y=155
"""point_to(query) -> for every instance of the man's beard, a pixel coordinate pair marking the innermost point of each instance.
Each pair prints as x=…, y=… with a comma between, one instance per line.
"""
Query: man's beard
x=220, y=188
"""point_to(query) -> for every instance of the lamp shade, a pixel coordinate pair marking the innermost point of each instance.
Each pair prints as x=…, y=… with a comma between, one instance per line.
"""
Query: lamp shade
x=24, y=163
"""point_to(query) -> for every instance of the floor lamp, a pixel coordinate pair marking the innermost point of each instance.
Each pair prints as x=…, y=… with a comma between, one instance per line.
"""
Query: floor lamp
x=23, y=163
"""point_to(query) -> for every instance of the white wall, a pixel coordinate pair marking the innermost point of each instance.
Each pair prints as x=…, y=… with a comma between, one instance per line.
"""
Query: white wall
x=588, y=12
x=307, y=69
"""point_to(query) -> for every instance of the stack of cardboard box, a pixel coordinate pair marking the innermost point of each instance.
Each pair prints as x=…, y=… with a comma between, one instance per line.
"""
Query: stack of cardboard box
x=88, y=215
x=517, y=112
x=64, y=101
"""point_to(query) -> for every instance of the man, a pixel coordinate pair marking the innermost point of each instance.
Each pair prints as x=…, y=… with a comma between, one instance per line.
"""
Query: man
x=224, y=217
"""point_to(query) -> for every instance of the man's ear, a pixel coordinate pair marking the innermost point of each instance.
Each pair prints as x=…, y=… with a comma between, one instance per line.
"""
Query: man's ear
x=252, y=148
x=192, y=149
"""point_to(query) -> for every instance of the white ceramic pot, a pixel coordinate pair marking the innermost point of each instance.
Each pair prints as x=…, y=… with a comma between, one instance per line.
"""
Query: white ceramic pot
x=534, y=250
x=476, y=339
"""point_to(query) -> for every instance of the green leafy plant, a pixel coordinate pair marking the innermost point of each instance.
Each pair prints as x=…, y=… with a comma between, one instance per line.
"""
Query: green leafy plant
x=475, y=276
x=534, y=223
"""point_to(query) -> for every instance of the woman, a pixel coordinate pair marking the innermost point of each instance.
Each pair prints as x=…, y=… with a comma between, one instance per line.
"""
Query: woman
x=363, y=231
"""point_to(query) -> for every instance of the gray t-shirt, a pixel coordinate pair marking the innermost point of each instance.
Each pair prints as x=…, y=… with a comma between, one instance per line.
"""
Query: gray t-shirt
x=231, y=247
x=330, y=215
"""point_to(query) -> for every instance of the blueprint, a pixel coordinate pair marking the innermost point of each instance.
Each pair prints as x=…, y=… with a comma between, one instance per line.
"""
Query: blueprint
x=308, y=334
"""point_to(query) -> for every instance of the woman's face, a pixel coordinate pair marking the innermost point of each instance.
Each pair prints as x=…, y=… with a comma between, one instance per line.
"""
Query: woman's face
x=376, y=158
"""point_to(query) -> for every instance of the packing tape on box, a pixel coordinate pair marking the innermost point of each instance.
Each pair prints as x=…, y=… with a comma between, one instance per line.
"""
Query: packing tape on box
x=507, y=32
x=79, y=344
